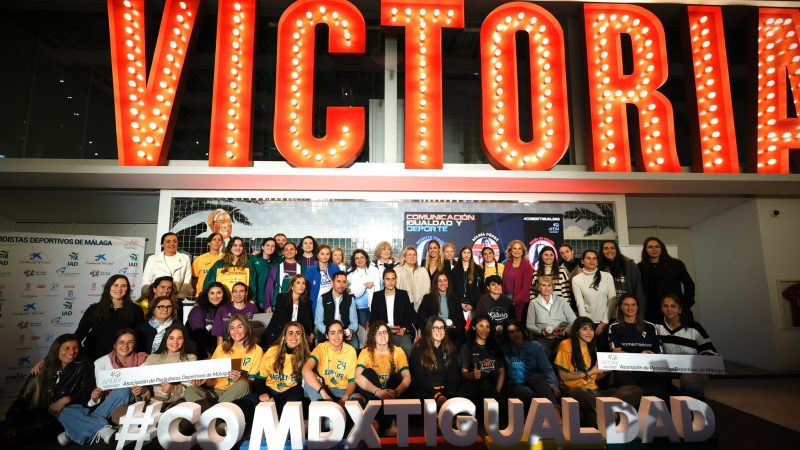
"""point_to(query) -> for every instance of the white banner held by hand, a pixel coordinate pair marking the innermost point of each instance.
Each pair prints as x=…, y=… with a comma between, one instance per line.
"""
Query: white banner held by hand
x=659, y=362
x=170, y=373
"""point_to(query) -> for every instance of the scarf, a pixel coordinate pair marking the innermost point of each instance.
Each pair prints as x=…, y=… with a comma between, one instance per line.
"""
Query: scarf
x=133, y=360
x=159, y=327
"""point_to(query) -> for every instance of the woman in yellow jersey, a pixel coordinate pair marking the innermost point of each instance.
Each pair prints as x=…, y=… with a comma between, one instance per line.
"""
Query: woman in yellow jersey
x=236, y=267
x=382, y=371
x=576, y=365
x=279, y=377
x=203, y=263
x=330, y=372
x=239, y=345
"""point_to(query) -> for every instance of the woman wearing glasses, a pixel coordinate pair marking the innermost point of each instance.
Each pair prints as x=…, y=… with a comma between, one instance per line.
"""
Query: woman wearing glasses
x=160, y=316
x=434, y=364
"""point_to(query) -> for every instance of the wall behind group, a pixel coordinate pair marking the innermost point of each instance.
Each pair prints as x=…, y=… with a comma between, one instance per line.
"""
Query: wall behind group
x=779, y=222
x=732, y=283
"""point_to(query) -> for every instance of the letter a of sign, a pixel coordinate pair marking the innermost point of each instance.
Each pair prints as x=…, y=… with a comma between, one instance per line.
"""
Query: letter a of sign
x=143, y=104
x=778, y=77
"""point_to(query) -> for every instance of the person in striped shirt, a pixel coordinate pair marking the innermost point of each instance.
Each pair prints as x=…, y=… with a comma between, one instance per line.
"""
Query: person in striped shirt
x=680, y=336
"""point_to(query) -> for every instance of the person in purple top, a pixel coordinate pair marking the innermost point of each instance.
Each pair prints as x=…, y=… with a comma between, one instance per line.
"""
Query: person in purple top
x=239, y=305
x=201, y=318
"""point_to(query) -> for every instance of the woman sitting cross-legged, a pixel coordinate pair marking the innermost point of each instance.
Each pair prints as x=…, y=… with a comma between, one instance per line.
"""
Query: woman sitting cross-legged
x=434, y=364
x=681, y=335
x=530, y=374
x=632, y=334
x=483, y=366
x=330, y=371
x=576, y=364
x=280, y=377
x=549, y=316
x=239, y=345
x=174, y=348
x=82, y=424
x=382, y=371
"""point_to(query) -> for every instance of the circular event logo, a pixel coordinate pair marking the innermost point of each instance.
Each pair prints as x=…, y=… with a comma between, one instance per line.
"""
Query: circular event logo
x=536, y=246
x=481, y=241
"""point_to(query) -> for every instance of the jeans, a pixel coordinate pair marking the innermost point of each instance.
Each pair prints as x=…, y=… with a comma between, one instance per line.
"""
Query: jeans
x=363, y=316
x=81, y=423
x=536, y=387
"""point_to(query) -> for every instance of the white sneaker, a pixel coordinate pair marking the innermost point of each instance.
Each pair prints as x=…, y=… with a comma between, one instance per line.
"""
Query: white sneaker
x=63, y=439
x=105, y=434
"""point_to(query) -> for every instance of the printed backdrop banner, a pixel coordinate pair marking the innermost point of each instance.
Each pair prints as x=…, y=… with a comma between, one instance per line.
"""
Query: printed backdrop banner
x=493, y=230
x=46, y=283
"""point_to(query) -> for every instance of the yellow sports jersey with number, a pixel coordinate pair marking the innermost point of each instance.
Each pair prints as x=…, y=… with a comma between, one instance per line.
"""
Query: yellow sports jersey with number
x=336, y=369
x=250, y=362
x=277, y=381
x=384, y=365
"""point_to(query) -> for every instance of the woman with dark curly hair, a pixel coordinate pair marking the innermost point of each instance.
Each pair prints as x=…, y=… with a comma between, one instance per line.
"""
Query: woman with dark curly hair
x=627, y=278
x=98, y=327
x=201, y=318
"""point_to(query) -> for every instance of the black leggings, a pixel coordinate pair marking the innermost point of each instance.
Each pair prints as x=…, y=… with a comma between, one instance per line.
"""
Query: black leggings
x=250, y=401
x=394, y=380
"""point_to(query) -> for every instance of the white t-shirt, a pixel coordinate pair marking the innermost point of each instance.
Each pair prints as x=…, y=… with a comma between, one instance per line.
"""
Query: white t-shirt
x=390, y=309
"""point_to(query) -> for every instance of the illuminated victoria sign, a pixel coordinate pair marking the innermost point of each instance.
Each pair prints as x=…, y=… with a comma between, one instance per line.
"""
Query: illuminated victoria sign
x=145, y=104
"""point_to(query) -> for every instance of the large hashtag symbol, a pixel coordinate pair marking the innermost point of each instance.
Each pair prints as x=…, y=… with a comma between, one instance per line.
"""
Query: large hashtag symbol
x=137, y=425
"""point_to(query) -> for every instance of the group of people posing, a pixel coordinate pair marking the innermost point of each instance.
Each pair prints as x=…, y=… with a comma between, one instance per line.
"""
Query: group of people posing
x=376, y=328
